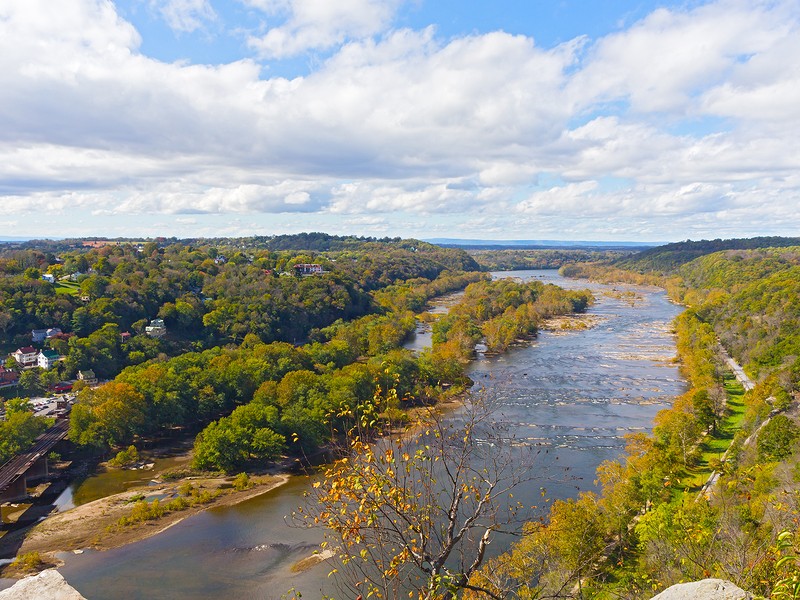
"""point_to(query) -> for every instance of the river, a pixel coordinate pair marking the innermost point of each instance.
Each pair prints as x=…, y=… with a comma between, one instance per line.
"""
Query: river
x=572, y=394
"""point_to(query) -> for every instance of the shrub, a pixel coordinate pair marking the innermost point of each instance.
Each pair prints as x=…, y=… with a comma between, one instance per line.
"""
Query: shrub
x=777, y=439
x=179, y=503
x=242, y=482
x=30, y=561
x=125, y=457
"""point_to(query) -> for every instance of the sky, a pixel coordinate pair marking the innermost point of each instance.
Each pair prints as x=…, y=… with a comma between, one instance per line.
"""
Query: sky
x=491, y=119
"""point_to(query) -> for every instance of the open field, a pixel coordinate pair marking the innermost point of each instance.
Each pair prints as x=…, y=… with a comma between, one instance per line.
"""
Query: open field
x=70, y=288
x=714, y=446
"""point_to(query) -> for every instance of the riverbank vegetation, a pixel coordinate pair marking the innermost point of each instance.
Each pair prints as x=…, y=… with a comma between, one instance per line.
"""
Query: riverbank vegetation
x=19, y=428
x=653, y=523
x=260, y=366
x=276, y=383
x=251, y=398
x=520, y=260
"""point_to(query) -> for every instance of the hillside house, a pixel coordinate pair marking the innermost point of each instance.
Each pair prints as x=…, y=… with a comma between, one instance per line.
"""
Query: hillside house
x=308, y=269
x=87, y=376
x=8, y=377
x=26, y=357
x=61, y=387
x=156, y=328
x=40, y=335
x=47, y=359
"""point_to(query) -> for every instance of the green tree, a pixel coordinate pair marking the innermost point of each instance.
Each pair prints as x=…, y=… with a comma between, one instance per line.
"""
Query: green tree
x=19, y=429
x=31, y=384
x=107, y=416
x=776, y=440
x=704, y=410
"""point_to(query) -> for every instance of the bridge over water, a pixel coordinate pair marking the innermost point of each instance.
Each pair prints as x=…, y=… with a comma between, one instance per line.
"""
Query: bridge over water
x=14, y=475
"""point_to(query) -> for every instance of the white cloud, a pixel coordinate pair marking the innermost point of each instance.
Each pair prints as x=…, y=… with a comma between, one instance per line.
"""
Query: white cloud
x=184, y=16
x=320, y=24
x=425, y=199
x=573, y=198
x=405, y=123
x=765, y=89
x=660, y=63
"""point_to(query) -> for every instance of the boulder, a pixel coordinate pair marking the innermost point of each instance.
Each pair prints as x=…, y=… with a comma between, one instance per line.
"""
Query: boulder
x=706, y=589
x=47, y=585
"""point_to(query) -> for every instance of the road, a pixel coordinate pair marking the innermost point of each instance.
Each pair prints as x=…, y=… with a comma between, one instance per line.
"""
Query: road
x=738, y=371
x=22, y=462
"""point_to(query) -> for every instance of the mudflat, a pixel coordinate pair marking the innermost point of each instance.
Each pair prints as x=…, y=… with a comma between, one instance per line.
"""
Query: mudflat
x=98, y=525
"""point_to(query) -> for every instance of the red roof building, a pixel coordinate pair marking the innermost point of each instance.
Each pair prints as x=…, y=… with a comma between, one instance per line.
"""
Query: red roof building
x=8, y=377
x=27, y=356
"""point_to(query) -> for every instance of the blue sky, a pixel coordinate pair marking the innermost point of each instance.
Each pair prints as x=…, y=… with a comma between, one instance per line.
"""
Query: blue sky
x=619, y=120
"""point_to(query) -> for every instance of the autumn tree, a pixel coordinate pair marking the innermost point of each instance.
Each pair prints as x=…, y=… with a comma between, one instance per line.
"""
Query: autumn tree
x=413, y=515
x=107, y=416
x=553, y=559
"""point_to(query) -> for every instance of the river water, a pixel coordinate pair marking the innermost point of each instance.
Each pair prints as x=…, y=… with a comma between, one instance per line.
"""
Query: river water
x=571, y=395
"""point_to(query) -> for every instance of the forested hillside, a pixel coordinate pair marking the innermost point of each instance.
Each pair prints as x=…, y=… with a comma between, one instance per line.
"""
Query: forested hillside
x=511, y=260
x=263, y=352
x=206, y=294
x=752, y=299
x=665, y=259
x=654, y=524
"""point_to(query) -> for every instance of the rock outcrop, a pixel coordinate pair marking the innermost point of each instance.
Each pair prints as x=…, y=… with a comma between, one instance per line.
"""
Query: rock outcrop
x=706, y=589
x=47, y=585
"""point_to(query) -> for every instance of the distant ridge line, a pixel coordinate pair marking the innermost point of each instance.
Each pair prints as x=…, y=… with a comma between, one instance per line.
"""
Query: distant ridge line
x=477, y=244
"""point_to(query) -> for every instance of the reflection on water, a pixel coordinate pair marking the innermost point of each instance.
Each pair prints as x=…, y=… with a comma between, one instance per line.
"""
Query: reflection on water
x=571, y=396
x=112, y=481
x=422, y=336
x=242, y=551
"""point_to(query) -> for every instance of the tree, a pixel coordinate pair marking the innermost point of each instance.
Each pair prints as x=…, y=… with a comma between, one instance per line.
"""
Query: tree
x=677, y=431
x=109, y=415
x=777, y=439
x=30, y=382
x=553, y=558
x=19, y=429
x=413, y=515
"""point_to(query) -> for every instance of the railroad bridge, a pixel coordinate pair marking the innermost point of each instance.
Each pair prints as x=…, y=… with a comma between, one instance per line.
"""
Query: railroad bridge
x=14, y=475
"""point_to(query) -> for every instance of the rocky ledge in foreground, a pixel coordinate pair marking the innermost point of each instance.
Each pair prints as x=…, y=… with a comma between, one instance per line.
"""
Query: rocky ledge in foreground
x=47, y=585
x=706, y=589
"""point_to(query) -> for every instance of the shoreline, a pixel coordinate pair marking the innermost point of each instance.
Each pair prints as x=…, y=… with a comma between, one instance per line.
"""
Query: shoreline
x=95, y=525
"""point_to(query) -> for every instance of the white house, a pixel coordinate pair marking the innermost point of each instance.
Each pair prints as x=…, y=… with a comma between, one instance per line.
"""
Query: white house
x=308, y=269
x=156, y=328
x=26, y=357
x=47, y=359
